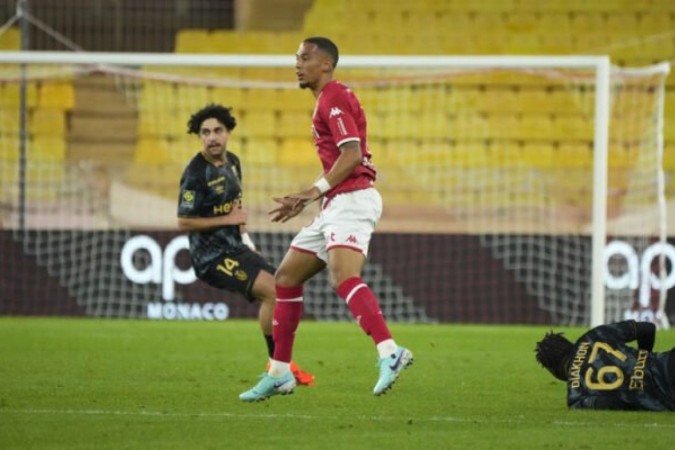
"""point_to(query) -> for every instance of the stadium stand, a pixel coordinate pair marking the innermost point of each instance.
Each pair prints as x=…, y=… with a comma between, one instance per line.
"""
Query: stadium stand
x=542, y=120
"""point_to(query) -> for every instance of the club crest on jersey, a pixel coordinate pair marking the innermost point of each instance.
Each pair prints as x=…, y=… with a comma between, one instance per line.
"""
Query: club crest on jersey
x=334, y=111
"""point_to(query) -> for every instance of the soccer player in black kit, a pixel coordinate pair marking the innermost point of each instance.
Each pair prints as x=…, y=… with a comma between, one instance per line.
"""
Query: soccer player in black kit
x=210, y=209
x=603, y=372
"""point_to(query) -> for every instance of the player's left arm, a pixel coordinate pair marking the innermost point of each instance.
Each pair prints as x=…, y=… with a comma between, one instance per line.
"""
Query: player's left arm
x=628, y=331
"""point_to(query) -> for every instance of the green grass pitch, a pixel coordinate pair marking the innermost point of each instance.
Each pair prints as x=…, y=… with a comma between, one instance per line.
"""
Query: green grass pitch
x=117, y=384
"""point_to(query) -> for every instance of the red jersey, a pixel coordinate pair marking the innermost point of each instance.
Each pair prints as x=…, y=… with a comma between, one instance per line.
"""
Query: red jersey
x=338, y=118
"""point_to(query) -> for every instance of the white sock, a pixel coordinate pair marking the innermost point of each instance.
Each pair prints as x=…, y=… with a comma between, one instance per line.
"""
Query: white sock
x=278, y=368
x=386, y=348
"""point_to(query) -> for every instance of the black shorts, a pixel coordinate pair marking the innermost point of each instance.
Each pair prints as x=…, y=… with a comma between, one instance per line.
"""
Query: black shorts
x=237, y=272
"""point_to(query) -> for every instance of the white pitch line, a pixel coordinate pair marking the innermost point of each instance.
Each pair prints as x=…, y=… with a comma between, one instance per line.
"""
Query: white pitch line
x=447, y=419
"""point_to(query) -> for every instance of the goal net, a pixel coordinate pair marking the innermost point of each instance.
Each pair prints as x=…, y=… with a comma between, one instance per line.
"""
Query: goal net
x=506, y=201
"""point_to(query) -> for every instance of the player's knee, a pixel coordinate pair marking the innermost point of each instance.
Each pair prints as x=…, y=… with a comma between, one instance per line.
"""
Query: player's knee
x=337, y=277
x=283, y=278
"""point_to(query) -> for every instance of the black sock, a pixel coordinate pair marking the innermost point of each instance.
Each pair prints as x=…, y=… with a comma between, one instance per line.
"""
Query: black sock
x=270, y=344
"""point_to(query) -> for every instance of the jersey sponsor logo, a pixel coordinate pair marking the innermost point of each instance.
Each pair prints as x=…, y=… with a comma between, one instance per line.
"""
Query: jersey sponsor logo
x=334, y=111
x=187, y=199
x=217, y=181
x=225, y=208
x=218, y=185
x=637, y=378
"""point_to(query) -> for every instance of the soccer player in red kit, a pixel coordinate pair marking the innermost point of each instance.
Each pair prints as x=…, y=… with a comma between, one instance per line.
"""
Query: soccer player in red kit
x=338, y=237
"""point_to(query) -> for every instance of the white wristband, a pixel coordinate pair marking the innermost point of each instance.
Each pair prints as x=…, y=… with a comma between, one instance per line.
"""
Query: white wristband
x=323, y=185
x=247, y=241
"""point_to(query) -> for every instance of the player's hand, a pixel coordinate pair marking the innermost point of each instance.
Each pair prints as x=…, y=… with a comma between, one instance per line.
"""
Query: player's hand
x=306, y=197
x=292, y=205
x=287, y=209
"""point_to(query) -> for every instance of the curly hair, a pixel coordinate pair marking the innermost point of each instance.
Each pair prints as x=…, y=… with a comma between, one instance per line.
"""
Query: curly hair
x=211, y=111
x=554, y=352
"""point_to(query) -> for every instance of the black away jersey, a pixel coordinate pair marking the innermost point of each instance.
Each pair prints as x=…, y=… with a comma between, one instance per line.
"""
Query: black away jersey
x=208, y=191
x=605, y=373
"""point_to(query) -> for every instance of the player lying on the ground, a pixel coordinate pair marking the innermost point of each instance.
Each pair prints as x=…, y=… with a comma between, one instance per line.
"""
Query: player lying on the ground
x=602, y=372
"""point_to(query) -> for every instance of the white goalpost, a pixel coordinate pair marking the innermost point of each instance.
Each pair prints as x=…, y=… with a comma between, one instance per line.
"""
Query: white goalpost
x=533, y=163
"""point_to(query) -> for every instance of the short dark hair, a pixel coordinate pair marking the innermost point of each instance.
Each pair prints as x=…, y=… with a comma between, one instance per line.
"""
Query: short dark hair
x=326, y=45
x=211, y=111
x=554, y=352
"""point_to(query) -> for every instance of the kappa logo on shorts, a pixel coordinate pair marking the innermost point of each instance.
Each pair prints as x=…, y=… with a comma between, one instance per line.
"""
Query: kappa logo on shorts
x=352, y=239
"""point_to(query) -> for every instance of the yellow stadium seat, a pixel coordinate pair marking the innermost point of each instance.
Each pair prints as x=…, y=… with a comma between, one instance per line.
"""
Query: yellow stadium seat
x=228, y=96
x=493, y=101
x=552, y=23
x=10, y=95
x=10, y=120
x=669, y=157
x=384, y=20
x=574, y=127
x=296, y=100
x=574, y=155
x=181, y=149
x=521, y=43
x=661, y=5
x=10, y=39
x=556, y=43
x=48, y=148
x=670, y=104
x=9, y=148
x=259, y=151
x=403, y=125
x=438, y=125
x=298, y=152
x=59, y=95
x=622, y=23
x=538, y=127
x=541, y=156
x=470, y=155
x=45, y=180
x=622, y=156
x=189, y=99
x=257, y=124
x=295, y=124
x=654, y=22
x=47, y=122
x=503, y=126
x=151, y=151
x=261, y=99
x=193, y=41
